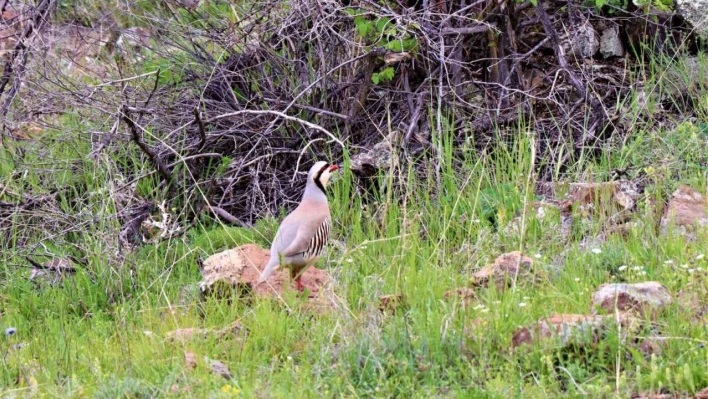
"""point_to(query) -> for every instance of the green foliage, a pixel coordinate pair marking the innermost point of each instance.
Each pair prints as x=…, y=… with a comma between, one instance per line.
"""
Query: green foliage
x=385, y=75
x=383, y=32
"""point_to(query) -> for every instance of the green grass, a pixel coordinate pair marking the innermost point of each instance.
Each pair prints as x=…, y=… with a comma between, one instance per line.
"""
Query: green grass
x=102, y=333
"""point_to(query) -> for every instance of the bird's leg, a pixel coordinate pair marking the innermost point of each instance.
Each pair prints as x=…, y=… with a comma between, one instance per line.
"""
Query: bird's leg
x=295, y=274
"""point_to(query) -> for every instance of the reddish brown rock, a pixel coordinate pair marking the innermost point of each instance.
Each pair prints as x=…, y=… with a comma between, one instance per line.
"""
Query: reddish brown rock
x=506, y=268
x=640, y=296
x=687, y=208
x=190, y=360
x=240, y=267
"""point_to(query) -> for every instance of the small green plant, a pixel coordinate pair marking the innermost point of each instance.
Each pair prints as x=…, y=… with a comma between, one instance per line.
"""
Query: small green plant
x=382, y=32
x=385, y=75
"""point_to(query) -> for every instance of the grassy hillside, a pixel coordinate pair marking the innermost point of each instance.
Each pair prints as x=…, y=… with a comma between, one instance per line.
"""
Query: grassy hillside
x=72, y=176
x=103, y=332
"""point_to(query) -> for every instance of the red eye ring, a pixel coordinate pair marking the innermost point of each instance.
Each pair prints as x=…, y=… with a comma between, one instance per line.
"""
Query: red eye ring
x=332, y=168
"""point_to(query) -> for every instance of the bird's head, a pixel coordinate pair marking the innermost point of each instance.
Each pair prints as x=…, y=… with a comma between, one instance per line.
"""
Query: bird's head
x=320, y=173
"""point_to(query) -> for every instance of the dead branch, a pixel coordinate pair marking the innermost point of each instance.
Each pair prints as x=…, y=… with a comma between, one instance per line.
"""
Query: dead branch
x=137, y=139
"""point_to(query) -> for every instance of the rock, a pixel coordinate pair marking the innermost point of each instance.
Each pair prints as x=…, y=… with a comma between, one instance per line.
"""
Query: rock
x=240, y=268
x=218, y=368
x=190, y=360
x=586, y=42
x=639, y=296
x=568, y=328
x=610, y=43
x=368, y=163
x=504, y=269
x=703, y=394
x=695, y=12
x=687, y=210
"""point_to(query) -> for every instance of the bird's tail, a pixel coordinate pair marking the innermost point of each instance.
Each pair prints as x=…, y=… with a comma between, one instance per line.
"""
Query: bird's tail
x=269, y=269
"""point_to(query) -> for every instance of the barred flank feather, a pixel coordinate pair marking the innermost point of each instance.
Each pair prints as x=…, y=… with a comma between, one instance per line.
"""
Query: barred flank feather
x=319, y=240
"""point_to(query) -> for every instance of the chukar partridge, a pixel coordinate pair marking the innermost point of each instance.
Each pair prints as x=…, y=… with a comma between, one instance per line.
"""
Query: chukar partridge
x=303, y=234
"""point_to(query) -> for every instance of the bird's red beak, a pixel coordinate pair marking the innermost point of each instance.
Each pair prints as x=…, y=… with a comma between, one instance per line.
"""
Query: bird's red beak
x=333, y=168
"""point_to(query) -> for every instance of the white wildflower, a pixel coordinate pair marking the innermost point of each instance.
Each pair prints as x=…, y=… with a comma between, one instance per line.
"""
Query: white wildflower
x=596, y=250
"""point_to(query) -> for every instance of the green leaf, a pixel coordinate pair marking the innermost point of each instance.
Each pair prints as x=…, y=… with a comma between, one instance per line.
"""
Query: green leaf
x=599, y=3
x=395, y=45
x=362, y=26
x=375, y=78
x=387, y=74
x=410, y=44
x=382, y=23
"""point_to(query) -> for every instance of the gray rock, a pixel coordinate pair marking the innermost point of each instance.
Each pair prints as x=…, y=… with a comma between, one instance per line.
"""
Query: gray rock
x=368, y=163
x=695, y=12
x=610, y=43
x=586, y=42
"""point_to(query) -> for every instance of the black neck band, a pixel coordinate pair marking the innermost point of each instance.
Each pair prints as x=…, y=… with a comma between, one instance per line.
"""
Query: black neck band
x=317, y=177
